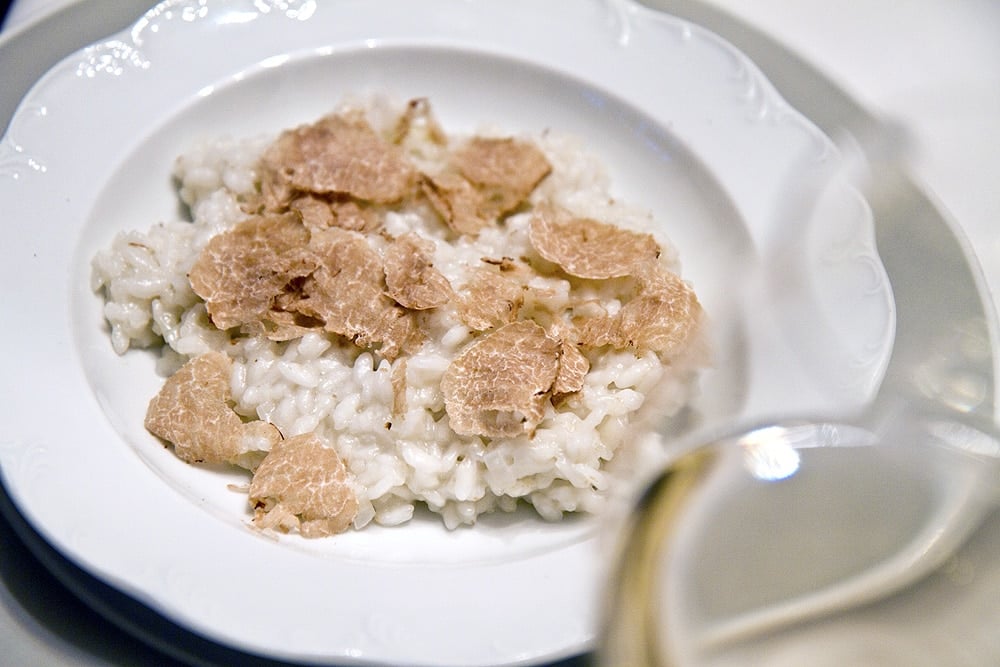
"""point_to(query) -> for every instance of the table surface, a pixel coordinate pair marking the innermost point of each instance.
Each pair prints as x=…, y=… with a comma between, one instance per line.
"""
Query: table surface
x=932, y=66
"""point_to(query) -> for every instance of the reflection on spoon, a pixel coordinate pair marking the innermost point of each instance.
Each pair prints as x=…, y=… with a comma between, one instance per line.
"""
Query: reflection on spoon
x=914, y=446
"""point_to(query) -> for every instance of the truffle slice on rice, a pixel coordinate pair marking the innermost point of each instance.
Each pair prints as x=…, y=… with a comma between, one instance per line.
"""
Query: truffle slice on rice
x=192, y=411
x=499, y=385
x=314, y=211
x=487, y=179
x=242, y=271
x=573, y=369
x=588, y=248
x=457, y=201
x=489, y=300
x=398, y=381
x=418, y=115
x=302, y=485
x=663, y=317
x=319, y=213
x=410, y=275
x=504, y=170
x=339, y=154
x=347, y=293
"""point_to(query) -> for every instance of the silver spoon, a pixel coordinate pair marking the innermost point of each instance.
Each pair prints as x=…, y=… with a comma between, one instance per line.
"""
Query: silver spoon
x=932, y=415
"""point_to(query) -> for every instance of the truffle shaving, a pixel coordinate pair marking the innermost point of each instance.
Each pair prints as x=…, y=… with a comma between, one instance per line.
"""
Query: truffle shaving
x=316, y=213
x=339, y=154
x=573, y=369
x=192, y=411
x=241, y=272
x=351, y=215
x=489, y=300
x=418, y=115
x=498, y=386
x=398, y=381
x=457, y=201
x=347, y=293
x=303, y=486
x=505, y=170
x=587, y=248
x=662, y=317
x=410, y=274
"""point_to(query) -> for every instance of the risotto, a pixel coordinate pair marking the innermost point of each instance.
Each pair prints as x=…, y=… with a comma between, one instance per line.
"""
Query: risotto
x=369, y=314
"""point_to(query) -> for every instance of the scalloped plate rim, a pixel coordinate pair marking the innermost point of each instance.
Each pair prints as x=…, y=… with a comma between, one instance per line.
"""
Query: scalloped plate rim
x=92, y=62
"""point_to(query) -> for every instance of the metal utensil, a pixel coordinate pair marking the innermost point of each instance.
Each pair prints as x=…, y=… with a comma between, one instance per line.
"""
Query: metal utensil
x=934, y=411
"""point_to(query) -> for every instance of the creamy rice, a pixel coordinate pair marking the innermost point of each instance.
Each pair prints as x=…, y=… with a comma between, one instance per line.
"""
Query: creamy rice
x=579, y=454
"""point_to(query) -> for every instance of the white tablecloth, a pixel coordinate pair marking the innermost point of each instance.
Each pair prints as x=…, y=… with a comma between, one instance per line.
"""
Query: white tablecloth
x=932, y=65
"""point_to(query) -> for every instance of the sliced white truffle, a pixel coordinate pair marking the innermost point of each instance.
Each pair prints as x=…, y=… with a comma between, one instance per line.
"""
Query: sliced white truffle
x=339, y=154
x=242, y=271
x=588, y=248
x=487, y=179
x=489, y=300
x=348, y=294
x=410, y=275
x=398, y=381
x=573, y=369
x=302, y=485
x=457, y=201
x=319, y=213
x=504, y=170
x=418, y=116
x=192, y=411
x=314, y=211
x=663, y=317
x=499, y=385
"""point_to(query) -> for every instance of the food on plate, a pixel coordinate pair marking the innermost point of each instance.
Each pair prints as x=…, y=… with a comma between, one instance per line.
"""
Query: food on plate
x=193, y=412
x=302, y=485
x=370, y=314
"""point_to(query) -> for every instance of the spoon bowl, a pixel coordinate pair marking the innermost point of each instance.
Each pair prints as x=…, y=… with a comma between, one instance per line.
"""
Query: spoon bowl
x=753, y=533
x=780, y=540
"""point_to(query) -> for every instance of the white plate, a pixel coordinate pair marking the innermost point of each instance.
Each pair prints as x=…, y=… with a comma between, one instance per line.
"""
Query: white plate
x=689, y=129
